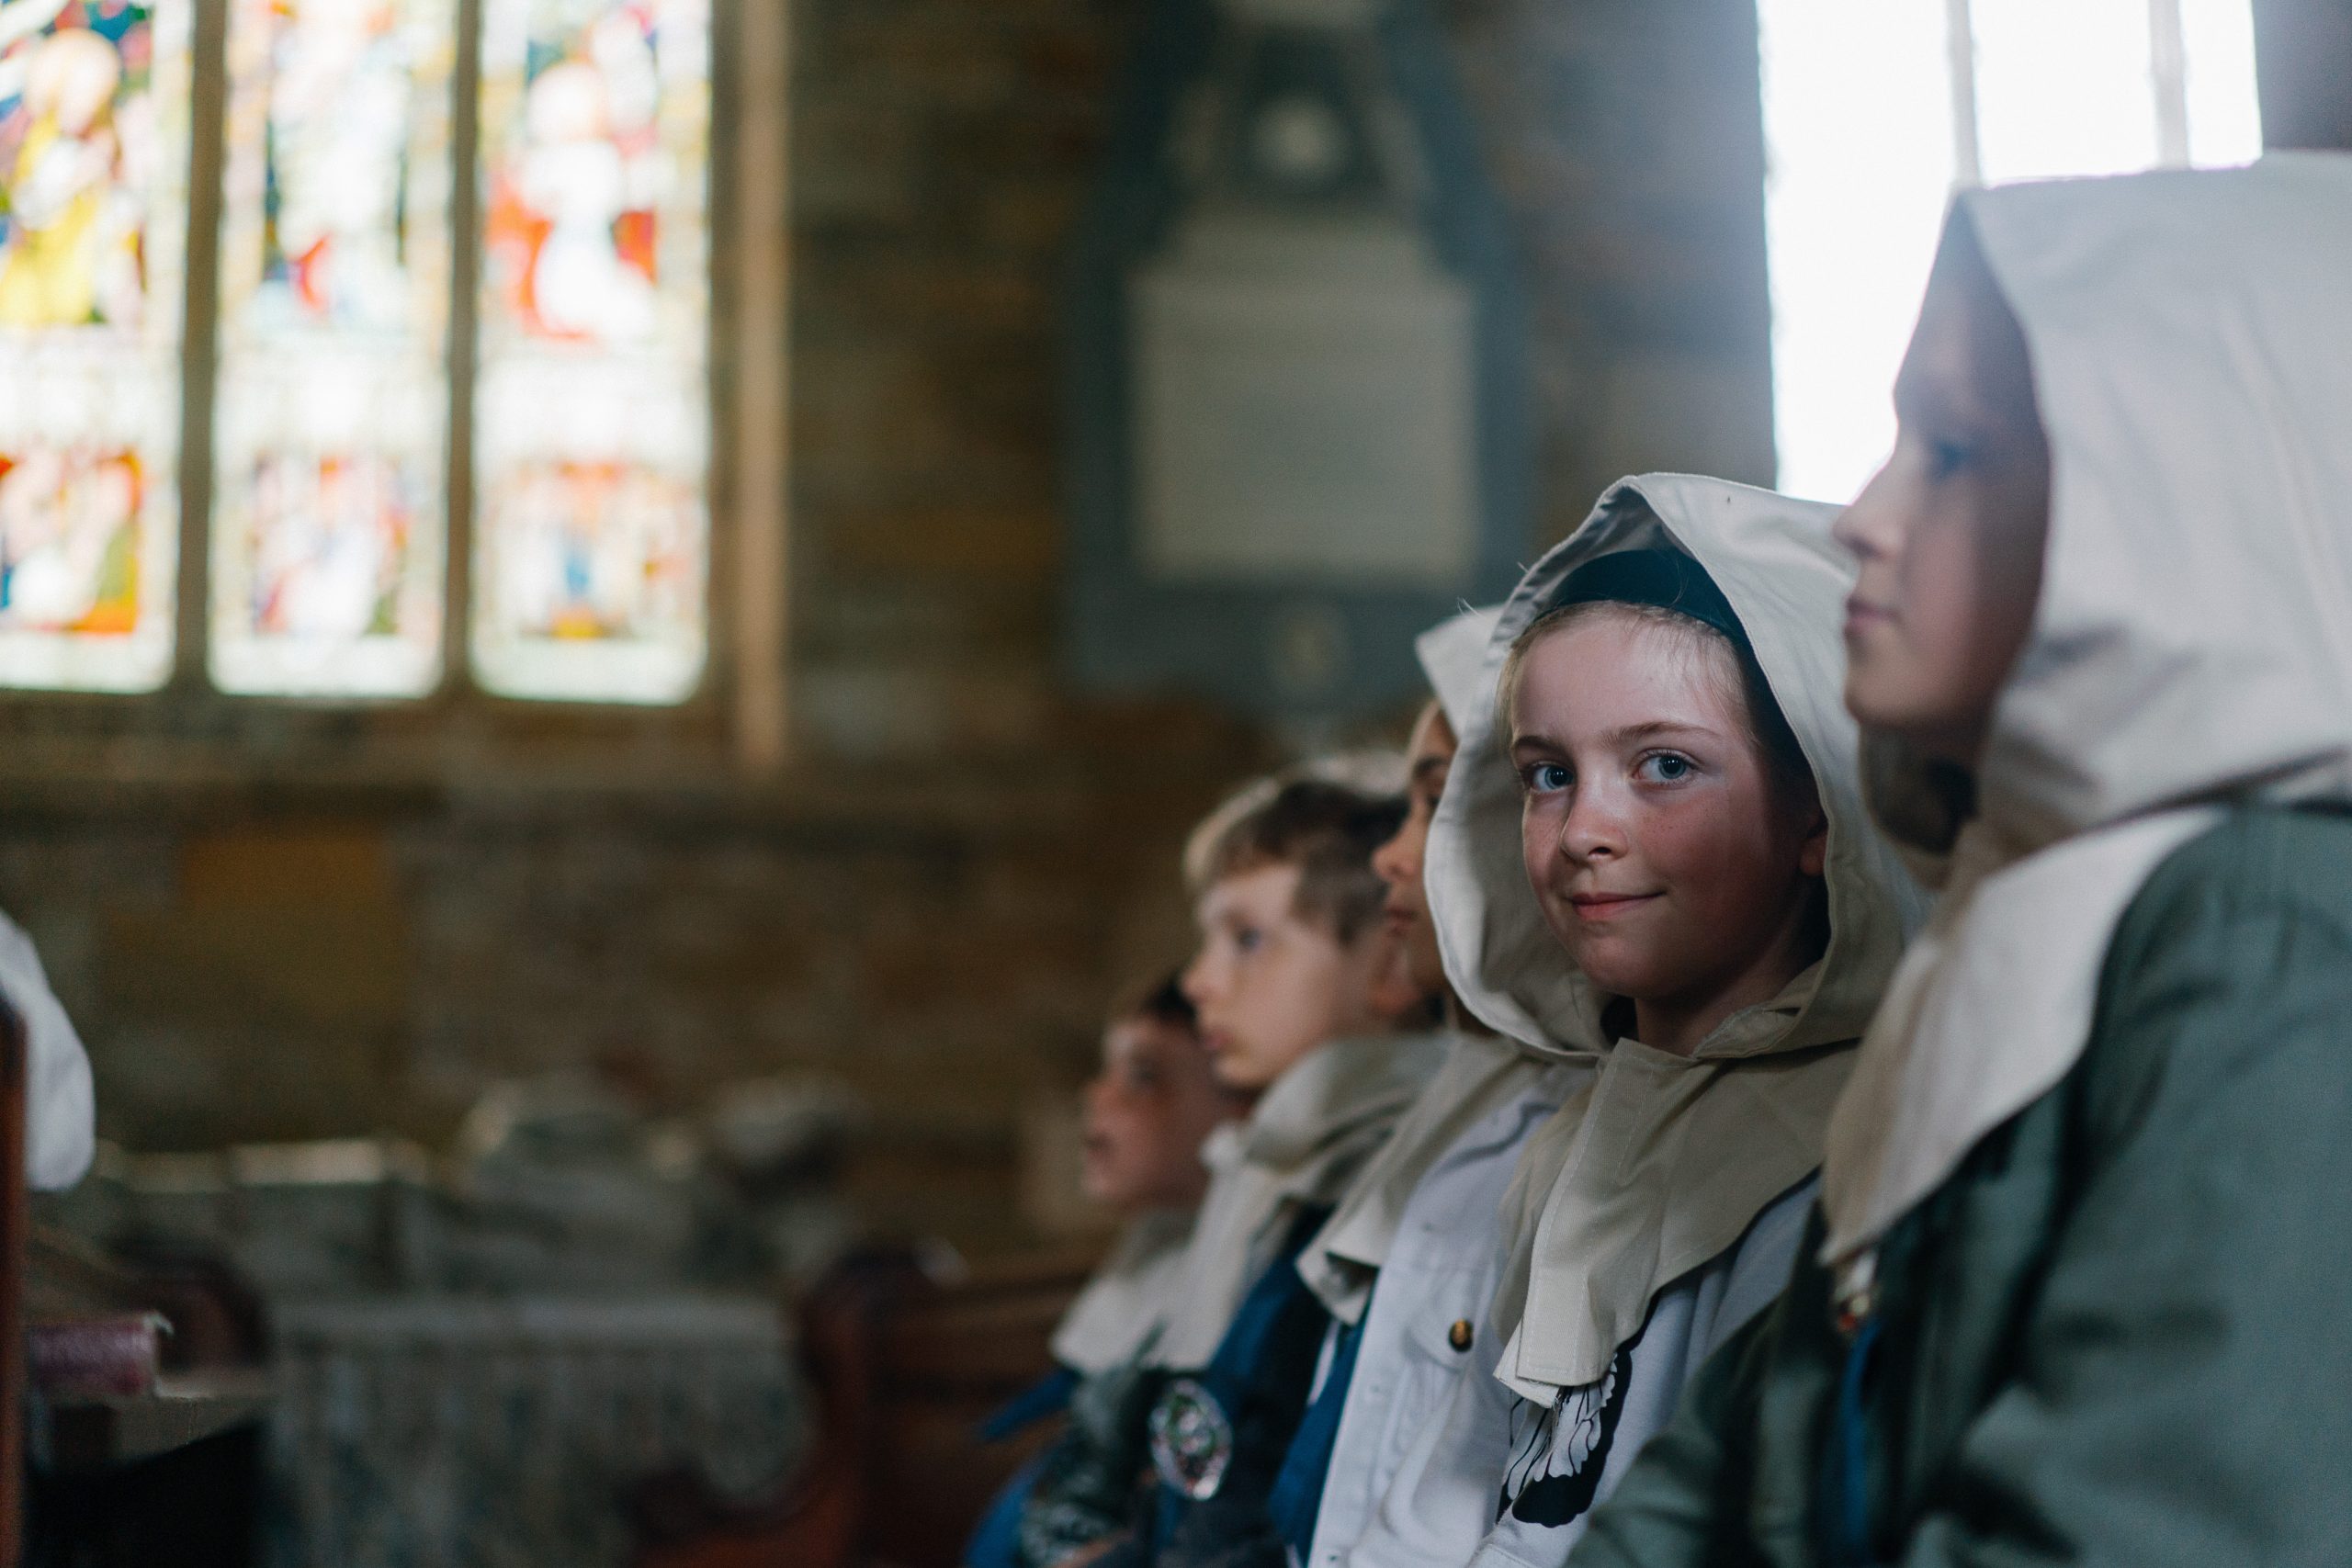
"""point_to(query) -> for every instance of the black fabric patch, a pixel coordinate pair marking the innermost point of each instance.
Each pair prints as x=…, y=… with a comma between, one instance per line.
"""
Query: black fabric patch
x=1556, y=1468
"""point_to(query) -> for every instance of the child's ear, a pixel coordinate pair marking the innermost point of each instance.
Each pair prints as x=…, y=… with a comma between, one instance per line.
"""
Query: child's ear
x=1813, y=856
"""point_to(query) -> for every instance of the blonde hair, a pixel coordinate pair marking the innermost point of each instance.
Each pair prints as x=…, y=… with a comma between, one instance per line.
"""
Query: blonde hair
x=1768, y=727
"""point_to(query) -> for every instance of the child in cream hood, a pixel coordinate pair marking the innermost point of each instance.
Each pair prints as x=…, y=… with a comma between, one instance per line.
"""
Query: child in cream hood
x=1652, y=864
x=2075, y=1293
x=1407, y=1266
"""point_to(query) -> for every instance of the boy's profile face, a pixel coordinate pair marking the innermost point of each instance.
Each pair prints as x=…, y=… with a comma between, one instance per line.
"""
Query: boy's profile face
x=1668, y=863
x=1950, y=534
x=1272, y=984
x=1147, y=1112
x=1429, y=757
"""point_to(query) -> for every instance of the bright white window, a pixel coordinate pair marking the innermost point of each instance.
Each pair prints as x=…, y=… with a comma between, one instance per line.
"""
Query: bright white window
x=1875, y=110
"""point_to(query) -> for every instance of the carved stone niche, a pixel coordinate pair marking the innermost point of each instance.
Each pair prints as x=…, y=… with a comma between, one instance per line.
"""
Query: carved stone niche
x=1298, y=427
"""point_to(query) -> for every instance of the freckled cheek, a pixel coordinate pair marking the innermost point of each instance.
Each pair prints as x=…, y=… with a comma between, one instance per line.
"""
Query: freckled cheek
x=1539, y=843
x=1680, y=841
x=1706, y=850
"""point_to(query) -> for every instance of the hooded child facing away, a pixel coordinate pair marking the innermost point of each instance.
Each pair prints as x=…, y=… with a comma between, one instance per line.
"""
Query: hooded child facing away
x=1653, y=863
x=1407, y=1266
x=1146, y=1113
x=1300, y=994
x=2075, y=1293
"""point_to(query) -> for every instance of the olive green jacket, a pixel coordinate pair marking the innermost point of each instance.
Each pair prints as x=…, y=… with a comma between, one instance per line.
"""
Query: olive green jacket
x=2122, y=1332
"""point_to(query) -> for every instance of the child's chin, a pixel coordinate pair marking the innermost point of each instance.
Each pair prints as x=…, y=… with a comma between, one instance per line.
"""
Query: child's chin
x=1240, y=1075
x=1616, y=974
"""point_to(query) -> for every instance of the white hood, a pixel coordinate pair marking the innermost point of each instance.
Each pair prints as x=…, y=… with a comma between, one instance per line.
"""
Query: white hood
x=1481, y=1073
x=1665, y=1161
x=1310, y=1136
x=1126, y=1298
x=2191, y=341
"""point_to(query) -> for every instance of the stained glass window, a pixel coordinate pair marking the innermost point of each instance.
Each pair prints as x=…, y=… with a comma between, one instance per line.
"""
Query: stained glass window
x=332, y=413
x=592, y=430
x=93, y=158
x=326, y=522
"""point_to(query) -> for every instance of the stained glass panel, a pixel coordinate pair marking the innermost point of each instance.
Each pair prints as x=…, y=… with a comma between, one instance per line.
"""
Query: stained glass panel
x=592, y=421
x=92, y=221
x=328, y=524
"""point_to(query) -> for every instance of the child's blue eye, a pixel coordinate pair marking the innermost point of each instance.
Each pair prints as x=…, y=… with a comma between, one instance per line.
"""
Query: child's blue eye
x=1544, y=778
x=1246, y=938
x=1666, y=767
x=1946, y=458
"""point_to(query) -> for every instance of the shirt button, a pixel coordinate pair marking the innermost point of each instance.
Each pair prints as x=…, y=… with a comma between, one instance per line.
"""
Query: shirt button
x=1459, y=1335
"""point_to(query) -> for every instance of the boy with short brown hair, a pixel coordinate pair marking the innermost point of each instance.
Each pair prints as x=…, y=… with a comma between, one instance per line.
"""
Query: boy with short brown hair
x=1301, y=992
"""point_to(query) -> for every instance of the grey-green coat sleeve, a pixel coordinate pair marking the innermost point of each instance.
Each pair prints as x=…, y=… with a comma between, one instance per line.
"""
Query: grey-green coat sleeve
x=2183, y=1397
x=1683, y=1501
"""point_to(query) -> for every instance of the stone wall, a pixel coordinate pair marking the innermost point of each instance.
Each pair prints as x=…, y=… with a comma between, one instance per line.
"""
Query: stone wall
x=275, y=921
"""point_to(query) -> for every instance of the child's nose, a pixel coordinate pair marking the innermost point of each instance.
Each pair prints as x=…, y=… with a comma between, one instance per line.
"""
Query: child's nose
x=1592, y=829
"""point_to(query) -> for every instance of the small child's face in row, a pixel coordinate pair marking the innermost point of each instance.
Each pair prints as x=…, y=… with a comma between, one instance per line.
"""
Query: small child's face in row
x=1272, y=983
x=1950, y=534
x=1667, y=861
x=1146, y=1115
x=1429, y=757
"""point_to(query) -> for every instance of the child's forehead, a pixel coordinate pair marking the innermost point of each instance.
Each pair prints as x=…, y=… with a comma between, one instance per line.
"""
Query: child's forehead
x=1135, y=1037
x=1617, y=665
x=1265, y=887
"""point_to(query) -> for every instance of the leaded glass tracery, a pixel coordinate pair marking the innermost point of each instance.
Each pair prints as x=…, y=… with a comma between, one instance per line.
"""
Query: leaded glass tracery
x=590, y=427
x=332, y=416
x=93, y=209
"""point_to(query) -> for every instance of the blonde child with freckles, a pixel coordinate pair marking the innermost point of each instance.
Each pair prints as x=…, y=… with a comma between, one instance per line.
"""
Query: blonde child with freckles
x=1651, y=866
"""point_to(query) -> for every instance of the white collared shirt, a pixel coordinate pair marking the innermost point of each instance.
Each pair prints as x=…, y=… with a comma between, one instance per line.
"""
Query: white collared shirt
x=1440, y=1271
x=1463, y=1493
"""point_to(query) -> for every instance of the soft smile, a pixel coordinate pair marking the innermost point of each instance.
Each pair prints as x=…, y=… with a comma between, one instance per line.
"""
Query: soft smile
x=1603, y=906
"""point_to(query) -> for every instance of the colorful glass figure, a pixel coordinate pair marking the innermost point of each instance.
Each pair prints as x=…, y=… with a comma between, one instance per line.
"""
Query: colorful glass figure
x=592, y=429
x=93, y=214
x=328, y=524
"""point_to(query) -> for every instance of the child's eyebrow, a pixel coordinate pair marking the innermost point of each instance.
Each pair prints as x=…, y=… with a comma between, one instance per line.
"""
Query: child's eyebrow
x=1650, y=730
x=1647, y=729
x=1428, y=767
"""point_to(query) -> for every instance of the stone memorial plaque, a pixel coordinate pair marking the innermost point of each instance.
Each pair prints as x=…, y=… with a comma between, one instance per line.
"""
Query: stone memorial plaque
x=1299, y=429
x=1296, y=421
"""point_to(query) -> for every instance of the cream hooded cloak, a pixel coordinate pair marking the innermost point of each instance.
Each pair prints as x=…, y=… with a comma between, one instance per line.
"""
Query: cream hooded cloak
x=1664, y=1161
x=2190, y=336
x=1308, y=1138
x=1481, y=1074
x=1126, y=1298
